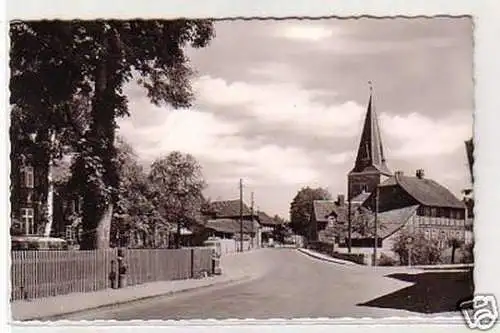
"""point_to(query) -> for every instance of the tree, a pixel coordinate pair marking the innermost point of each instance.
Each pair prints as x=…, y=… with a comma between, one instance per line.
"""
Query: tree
x=455, y=244
x=281, y=230
x=424, y=251
x=135, y=208
x=54, y=61
x=177, y=184
x=301, y=208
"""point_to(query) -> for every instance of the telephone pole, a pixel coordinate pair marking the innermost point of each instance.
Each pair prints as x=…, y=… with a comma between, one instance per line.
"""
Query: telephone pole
x=241, y=215
x=349, y=226
x=251, y=214
x=375, y=237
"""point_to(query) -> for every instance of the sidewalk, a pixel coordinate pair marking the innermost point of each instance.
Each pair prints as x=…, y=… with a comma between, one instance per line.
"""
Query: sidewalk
x=325, y=257
x=44, y=308
x=236, y=267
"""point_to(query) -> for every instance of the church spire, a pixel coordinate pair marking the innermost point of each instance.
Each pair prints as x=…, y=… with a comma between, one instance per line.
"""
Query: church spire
x=370, y=152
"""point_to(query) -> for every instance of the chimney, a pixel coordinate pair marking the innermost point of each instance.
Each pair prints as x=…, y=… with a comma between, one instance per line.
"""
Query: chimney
x=420, y=173
x=398, y=175
x=341, y=199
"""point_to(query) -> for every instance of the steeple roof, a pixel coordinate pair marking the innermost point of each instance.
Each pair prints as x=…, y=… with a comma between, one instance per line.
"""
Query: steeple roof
x=371, y=152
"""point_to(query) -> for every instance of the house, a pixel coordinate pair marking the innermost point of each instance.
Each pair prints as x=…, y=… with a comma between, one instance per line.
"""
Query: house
x=31, y=195
x=270, y=227
x=439, y=214
x=228, y=219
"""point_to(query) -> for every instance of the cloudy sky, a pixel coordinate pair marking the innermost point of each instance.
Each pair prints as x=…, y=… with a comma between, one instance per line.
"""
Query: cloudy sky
x=281, y=104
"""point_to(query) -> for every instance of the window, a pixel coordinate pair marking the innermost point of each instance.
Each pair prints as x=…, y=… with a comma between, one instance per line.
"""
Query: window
x=433, y=212
x=28, y=177
x=28, y=220
x=364, y=188
x=75, y=206
x=427, y=211
x=70, y=232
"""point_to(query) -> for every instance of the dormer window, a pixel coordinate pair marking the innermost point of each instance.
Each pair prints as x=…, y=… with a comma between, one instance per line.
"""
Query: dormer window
x=28, y=177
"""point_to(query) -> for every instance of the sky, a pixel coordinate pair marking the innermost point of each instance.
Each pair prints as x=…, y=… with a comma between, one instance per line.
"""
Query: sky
x=281, y=105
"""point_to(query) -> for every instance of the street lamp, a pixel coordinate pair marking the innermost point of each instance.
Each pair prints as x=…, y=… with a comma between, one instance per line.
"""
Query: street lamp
x=409, y=241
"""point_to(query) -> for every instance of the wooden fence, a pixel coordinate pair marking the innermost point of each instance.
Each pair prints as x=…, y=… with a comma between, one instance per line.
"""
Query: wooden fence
x=36, y=274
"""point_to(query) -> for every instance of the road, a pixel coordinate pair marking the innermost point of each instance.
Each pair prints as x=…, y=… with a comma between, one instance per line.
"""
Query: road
x=289, y=284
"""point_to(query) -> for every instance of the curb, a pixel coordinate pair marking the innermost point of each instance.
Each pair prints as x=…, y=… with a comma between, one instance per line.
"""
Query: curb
x=323, y=258
x=59, y=316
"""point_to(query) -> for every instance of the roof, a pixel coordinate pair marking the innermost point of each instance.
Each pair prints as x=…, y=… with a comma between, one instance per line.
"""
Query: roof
x=426, y=191
x=228, y=208
x=393, y=220
x=389, y=221
x=370, y=155
x=230, y=226
x=325, y=208
x=361, y=198
x=265, y=219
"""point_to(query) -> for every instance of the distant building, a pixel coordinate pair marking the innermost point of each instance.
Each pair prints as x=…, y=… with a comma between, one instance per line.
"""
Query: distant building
x=223, y=219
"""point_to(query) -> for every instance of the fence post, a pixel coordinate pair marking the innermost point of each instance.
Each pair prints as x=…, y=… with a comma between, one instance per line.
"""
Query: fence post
x=192, y=263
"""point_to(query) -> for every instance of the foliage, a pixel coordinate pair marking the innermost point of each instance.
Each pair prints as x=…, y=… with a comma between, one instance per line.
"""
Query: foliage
x=455, y=244
x=281, y=231
x=385, y=260
x=54, y=62
x=467, y=253
x=177, y=185
x=301, y=208
x=135, y=209
x=424, y=251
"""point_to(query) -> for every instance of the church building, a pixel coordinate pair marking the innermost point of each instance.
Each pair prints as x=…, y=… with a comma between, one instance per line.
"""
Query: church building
x=412, y=203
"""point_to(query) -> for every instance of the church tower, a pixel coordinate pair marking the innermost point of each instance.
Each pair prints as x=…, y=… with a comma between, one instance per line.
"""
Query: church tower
x=370, y=167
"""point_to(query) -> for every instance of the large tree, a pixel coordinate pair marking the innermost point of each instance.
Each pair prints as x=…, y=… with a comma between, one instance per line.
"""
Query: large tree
x=301, y=208
x=177, y=184
x=54, y=61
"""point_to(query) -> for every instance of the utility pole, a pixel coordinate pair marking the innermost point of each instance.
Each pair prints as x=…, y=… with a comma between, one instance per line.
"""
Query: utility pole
x=349, y=227
x=241, y=215
x=251, y=214
x=375, y=237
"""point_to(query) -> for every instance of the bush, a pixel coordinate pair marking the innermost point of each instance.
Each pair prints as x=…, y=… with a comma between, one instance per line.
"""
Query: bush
x=385, y=260
x=358, y=258
x=424, y=251
x=467, y=253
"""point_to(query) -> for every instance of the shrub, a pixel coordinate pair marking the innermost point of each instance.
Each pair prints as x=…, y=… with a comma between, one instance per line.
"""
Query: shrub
x=424, y=251
x=385, y=260
x=467, y=253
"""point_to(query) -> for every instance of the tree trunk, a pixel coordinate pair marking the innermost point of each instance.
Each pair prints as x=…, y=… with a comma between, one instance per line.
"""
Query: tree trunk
x=453, y=249
x=50, y=190
x=98, y=210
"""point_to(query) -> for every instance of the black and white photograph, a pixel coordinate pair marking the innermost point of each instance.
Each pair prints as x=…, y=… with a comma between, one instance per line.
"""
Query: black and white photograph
x=230, y=169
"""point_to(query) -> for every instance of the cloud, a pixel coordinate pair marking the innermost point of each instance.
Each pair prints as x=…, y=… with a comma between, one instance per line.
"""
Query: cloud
x=305, y=32
x=215, y=142
x=281, y=104
x=416, y=135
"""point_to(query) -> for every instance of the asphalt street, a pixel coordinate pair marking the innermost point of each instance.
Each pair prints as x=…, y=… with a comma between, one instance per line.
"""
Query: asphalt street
x=289, y=284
